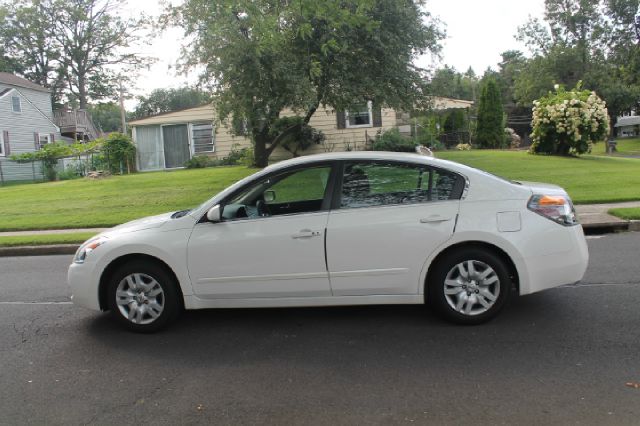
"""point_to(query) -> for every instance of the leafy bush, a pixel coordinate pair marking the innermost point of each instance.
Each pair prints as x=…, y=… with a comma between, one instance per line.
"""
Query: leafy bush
x=198, y=162
x=568, y=122
x=463, y=147
x=69, y=173
x=490, y=125
x=392, y=140
x=235, y=157
x=119, y=152
x=512, y=139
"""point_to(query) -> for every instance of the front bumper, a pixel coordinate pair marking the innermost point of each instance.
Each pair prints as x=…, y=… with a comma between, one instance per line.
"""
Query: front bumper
x=84, y=285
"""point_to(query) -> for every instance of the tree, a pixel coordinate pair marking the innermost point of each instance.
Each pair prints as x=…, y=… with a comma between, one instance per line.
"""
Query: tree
x=29, y=46
x=450, y=83
x=264, y=56
x=583, y=40
x=490, y=130
x=167, y=100
x=94, y=39
x=106, y=116
x=78, y=48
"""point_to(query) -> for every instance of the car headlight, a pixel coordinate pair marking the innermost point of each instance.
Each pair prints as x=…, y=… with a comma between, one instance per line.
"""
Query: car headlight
x=86, y=248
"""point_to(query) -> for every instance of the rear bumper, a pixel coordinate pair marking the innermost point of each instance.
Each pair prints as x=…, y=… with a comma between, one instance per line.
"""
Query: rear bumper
x=561, y=267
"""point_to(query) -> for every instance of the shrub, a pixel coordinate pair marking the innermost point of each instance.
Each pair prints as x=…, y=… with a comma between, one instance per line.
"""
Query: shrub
x=119, y=152
x=198, y=162
x=69, y=173
x=235, y=156
x=463, y=147
x=568, y=122
x=392, y=140
x=512, y=138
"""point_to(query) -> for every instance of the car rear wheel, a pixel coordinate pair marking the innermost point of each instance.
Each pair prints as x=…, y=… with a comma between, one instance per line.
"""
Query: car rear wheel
x=469, y=286
x=143, y=297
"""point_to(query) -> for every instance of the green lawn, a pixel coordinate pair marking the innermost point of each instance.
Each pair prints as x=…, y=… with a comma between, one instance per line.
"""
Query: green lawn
x=629, y=213
x=110, y=201
x=39, y=240
x=624, y=147
x=84, y=203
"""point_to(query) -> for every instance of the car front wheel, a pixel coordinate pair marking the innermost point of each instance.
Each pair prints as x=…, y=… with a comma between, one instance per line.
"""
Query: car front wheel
x=470, y=286
x=143, y=297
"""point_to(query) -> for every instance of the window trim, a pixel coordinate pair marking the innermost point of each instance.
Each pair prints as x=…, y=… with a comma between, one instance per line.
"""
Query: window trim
x=347, y=125
x=192, y=143
x=326, y=201
x=46, y=135
x=13, y=105
x=2, y=153
x=336, y=203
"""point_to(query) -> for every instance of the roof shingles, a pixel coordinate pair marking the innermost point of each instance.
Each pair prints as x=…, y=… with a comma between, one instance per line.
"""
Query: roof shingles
x=14, y=80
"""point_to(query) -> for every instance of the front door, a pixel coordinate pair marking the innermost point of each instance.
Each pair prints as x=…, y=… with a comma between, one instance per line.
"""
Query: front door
x=270, y=242
x=176, y=145
x=391, y=217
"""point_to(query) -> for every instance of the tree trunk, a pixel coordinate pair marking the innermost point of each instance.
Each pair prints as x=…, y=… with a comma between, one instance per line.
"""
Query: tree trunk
x=260, y=152
x=82, y=92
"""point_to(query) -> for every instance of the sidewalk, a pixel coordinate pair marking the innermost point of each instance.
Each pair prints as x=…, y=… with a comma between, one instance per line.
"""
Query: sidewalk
x=596, y=216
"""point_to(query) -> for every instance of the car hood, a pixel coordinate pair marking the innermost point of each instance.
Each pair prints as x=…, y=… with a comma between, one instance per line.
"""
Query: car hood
x=149, y=222
x=543, y=188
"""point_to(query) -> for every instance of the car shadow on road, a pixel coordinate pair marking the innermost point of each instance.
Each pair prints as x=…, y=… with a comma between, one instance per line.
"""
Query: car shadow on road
x=336, y=335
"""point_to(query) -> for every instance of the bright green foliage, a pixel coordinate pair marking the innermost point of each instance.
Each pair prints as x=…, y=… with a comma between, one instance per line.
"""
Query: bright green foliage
x=490, y=128
x=392, y=140
x=119, y=152
x=50, y=153
x=568, y=122
x=166, y=100
x=629, y=213
x=106, y=116
x=263, y=57
x=301, y=138
x=449, y=83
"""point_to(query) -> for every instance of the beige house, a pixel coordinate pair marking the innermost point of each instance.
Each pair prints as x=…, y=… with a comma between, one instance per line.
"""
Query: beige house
x=167, y=141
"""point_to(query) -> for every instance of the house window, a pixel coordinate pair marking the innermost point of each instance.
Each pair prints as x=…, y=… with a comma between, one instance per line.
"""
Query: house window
x=202, y=137
x=43, y=139
x=359, y=116
x=16, y=104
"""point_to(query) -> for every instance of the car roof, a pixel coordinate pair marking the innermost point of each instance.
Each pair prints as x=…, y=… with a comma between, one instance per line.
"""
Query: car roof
x=373, y=155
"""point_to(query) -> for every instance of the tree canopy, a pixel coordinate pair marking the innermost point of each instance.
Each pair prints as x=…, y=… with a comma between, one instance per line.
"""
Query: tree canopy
x=167, y=100
x=264, y=56
x=77, y=48
x=490, y=130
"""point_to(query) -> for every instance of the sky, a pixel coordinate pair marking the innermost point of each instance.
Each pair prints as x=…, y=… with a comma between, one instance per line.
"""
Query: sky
x=477, y=32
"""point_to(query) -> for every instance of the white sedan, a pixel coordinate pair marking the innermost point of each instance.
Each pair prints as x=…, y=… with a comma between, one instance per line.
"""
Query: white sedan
x=339, y=229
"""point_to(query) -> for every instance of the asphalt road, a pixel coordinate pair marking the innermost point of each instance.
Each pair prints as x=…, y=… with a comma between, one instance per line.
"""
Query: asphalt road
x=563, y=356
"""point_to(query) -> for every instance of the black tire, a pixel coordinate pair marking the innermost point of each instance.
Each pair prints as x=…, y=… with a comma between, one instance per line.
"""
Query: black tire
x=170, y=296
x=443, y=303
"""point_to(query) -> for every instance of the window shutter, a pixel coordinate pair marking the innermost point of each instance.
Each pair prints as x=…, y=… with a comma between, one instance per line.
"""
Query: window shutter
x=5, y=139
x=377, y=116
x=36, y=141
x=52, y=138
x=341, y=118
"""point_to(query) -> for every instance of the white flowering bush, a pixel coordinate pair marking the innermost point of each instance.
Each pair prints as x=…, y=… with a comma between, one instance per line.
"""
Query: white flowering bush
x=463, y=147
x=568, y=122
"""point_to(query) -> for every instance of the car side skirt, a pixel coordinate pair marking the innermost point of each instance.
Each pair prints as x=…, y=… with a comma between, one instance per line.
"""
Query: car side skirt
x=193, y=302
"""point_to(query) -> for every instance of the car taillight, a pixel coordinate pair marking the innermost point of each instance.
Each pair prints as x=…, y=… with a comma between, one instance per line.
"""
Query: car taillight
x=558, y=208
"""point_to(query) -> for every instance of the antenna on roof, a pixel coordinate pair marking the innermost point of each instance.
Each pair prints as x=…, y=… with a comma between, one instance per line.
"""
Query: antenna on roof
x=423, y=150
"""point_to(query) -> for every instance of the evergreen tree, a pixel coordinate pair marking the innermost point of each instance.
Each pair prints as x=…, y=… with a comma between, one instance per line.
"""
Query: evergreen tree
x=490, y=130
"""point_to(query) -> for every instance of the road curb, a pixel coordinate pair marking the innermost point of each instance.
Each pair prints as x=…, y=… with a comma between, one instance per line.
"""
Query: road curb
x=38, y=250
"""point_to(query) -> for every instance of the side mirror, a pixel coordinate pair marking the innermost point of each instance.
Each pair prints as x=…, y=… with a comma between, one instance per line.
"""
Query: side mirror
x=214, y=214
x=269, y=196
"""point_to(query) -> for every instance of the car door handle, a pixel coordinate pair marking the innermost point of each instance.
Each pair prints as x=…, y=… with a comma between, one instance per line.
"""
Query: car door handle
x=306, y=233
x=435, y=218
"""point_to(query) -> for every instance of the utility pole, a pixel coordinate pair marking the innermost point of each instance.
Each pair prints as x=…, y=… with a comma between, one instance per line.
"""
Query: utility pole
x=123, y=118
